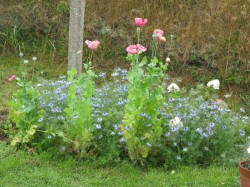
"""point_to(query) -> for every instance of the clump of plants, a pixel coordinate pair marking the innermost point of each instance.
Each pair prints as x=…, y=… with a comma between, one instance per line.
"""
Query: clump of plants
x=137, y=114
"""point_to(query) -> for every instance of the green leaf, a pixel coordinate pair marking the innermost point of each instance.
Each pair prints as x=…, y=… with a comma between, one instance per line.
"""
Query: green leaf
x=144, y=152
x=60, y=134
x=32, y=130
x=14, y=141
x=28, y=109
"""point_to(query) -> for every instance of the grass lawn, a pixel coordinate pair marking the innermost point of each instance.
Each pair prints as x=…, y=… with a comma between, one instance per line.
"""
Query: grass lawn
x=19, y=168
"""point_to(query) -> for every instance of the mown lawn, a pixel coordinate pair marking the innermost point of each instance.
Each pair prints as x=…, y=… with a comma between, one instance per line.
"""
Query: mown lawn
x=19, y=168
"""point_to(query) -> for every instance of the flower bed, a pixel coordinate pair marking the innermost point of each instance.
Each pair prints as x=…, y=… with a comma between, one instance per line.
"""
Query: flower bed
x=138, y=114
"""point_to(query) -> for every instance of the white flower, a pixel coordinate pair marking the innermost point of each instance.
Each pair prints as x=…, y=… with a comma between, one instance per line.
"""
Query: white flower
x=21, y=54
x=167, y=59
x=248, y=150
x=115, y=74
x=185, y=149
x=25, y=61
x=173, y=87
x=227, y=95
x=214, y=83
x=176, y=122
x=34, y=58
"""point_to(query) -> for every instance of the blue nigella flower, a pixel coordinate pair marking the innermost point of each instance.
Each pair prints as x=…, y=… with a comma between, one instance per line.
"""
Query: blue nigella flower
x=167, y=134
x=122, y=140
x=171, y=99
x=120, y=103
x=98, y=126
x=190, y=143
x=242, y=132
x=149, y=144
x=120, y=133
x=104, y=114
x=174, y=129
x=199, y=130
x=213, y=107
x=211, y=124
x=99, y=120
x=185, y=129
x=127, y=128
x=40, y=120
x=75, y=116
x=210, y=133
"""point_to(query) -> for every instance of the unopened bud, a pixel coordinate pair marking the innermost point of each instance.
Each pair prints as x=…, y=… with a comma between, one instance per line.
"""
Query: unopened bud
x=163, y=39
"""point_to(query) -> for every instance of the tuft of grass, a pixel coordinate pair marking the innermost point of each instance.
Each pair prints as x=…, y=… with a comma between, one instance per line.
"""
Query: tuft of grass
x=18, y=168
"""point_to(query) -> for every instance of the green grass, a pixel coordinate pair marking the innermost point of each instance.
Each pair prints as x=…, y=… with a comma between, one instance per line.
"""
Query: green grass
x=19, y=168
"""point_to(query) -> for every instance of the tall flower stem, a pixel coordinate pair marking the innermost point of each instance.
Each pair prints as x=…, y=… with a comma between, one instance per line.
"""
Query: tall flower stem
x=138, y=30
x=171, y=44
x=154, y=47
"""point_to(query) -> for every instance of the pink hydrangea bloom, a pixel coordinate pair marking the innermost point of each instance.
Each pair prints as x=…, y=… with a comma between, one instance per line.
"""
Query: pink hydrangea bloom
x=139, y=22
x=92, y=44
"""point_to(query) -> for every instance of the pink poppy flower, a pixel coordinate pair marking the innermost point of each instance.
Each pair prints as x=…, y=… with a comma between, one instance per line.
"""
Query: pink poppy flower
x=92, y=44
x=158, y=32
x=159, y=35
x=12, y=78
x=142, y=48
x=139, y=22
x=134, y=49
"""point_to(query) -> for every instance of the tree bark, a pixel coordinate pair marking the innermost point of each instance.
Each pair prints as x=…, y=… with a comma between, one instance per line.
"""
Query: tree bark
x=76, y=28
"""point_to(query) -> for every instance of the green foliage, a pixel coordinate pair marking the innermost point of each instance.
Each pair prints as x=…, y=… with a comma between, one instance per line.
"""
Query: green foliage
x=145, y=95
x=79, y=123
x=199, y=128
x=24, y=113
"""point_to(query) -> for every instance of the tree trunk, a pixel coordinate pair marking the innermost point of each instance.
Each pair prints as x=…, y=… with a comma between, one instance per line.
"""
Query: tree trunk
x=76, y=27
